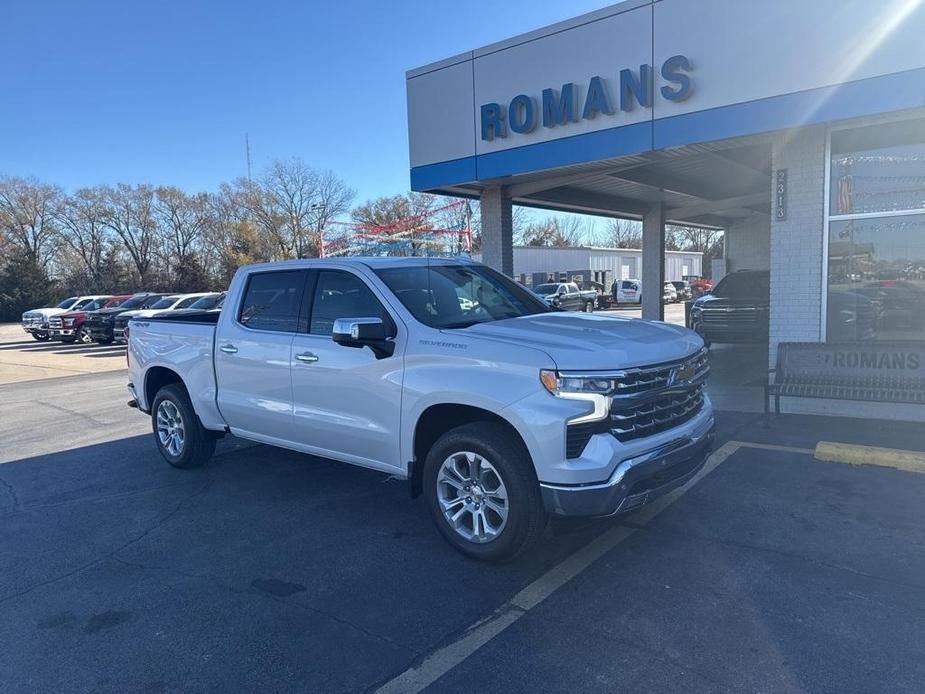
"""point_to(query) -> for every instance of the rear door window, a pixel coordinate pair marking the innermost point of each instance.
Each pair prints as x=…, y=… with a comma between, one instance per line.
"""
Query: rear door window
x=272, y=301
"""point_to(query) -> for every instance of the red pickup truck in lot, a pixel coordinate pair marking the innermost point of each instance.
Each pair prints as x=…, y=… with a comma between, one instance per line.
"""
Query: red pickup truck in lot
x=69, y=327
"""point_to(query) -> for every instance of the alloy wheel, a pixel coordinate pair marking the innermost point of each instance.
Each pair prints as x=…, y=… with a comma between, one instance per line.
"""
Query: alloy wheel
x=472, y=497
x=170, y=431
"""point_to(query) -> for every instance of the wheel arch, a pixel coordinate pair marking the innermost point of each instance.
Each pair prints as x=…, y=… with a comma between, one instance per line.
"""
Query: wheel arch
x=156, y=378
x=440, y=418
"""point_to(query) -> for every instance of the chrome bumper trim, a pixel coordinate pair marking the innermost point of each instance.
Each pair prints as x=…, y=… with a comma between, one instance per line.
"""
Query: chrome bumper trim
x=636, y=481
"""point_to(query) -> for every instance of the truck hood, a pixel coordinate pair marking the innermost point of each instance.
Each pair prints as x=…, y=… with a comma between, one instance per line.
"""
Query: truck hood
x=47, y=311
x=592, y=342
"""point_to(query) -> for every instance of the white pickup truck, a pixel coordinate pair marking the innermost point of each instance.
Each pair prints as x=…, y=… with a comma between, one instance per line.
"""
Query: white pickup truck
x=497, y=408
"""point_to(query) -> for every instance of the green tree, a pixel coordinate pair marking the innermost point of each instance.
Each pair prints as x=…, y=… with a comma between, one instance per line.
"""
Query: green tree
x=24, y=284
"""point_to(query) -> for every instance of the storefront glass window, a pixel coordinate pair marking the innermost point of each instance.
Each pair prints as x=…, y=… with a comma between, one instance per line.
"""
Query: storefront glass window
x=878, y=169
x=876, y=263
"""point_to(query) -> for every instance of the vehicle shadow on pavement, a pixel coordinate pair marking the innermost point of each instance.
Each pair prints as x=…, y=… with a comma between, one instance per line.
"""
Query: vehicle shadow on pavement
x=265, y=568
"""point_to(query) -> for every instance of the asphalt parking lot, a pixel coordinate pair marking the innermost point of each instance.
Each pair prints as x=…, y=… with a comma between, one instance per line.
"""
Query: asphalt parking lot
x=274, y=571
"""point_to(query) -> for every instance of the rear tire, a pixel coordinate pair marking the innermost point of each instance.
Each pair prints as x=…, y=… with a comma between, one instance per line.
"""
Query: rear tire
x=589, y=307
x=180, y=437
x=498, y=509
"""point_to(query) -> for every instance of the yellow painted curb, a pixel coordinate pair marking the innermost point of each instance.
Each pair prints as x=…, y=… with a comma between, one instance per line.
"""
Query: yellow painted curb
x=910, y=461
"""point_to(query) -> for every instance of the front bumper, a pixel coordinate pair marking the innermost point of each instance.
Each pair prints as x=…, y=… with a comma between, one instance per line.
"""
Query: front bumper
x=34, y=327
x=61, y=332
x=636, y=481
x=100, y=333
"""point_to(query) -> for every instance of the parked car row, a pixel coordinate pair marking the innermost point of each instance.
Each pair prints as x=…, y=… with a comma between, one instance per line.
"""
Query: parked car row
x=629, y=291
x=103, y=318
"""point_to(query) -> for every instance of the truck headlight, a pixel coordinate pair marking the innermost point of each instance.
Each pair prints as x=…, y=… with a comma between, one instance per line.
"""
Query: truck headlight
x=590, y=389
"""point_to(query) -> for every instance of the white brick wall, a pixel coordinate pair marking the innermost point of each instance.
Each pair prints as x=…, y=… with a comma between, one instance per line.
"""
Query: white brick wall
x=748, y=244
x=796, y=243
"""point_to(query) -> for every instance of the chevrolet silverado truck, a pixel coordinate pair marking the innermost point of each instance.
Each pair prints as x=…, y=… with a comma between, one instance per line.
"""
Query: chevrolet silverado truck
x=496, y=408
x=173, y=302
x=36, y=320
x=567, y=296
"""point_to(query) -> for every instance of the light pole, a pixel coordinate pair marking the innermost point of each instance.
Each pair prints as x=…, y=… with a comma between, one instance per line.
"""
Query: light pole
x=320, y=206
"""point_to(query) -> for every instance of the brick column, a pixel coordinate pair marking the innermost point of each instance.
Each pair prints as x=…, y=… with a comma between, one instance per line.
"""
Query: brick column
x=497, y=230
x=796, y=261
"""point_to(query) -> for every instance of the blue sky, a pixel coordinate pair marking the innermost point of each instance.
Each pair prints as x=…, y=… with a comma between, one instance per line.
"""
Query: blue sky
x=163, y=92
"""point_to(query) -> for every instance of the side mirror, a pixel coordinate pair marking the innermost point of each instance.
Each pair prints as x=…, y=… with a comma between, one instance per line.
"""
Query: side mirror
x=364, y=332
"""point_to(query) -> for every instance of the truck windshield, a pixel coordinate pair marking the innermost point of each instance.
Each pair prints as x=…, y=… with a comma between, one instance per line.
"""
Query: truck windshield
x=166, y=302
x=207, y=302
x=457, y=296
x=134, y=301
x=744, y=285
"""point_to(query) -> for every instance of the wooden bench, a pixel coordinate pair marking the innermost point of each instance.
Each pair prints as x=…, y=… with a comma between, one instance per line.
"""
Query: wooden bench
x=891, y=372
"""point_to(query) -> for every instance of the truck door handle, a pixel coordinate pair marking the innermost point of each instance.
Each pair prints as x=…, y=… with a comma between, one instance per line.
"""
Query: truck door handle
x=228, y=349
x=307, y=357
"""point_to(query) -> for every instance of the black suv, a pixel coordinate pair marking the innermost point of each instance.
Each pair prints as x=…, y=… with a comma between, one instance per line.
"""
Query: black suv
x=736, y=310
x=99, y=323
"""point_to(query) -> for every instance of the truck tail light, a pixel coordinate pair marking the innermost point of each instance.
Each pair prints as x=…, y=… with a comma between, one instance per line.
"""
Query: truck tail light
x=126, y=347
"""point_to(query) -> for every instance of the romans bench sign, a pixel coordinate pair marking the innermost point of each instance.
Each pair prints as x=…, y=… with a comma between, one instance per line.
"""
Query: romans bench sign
x=892, y=372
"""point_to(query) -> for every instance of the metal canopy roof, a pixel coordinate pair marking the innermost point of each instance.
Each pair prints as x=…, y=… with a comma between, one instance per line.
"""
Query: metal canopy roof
x=701, y=185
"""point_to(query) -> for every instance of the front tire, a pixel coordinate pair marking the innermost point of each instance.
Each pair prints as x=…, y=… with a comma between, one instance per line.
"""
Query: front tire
x=41, y=337
x=482, y=492
x=83, y=336
x=589, y=307
x=181, y=439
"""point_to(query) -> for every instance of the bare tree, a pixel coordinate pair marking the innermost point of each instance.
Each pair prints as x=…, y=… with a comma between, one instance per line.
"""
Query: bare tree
x=622, y=233
x=559, y=232
x=82, y=224
x=129, y=212
x=28, y=216
x=182, y=219
x=691, y=238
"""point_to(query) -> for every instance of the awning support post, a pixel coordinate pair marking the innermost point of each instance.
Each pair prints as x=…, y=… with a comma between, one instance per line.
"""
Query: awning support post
x=653, y=262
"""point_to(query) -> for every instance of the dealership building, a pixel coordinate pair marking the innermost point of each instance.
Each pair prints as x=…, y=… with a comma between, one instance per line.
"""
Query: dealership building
x=797, y=127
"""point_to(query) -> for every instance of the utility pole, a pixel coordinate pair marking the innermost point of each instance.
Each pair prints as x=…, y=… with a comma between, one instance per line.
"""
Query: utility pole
x=247, y=149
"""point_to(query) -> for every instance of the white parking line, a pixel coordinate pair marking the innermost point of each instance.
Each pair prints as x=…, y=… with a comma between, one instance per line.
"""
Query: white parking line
x=441, y=661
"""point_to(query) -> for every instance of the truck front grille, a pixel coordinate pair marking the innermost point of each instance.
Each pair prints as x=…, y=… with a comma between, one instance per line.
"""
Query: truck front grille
x=647, y=401
x=55, y=323
x=729, y=315
x=668, y=410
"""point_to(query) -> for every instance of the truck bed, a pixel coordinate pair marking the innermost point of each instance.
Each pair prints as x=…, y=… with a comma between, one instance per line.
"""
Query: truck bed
x=184, y=345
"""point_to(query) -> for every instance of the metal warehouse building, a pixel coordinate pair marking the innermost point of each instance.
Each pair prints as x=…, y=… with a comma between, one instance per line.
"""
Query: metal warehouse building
x=603, y=265
x=797, y=127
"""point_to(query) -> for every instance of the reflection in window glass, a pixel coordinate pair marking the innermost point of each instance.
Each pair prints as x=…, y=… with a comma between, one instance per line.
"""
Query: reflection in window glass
x=878, y=169
x=341, y=295
x=876, y=279
x=272, y=301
